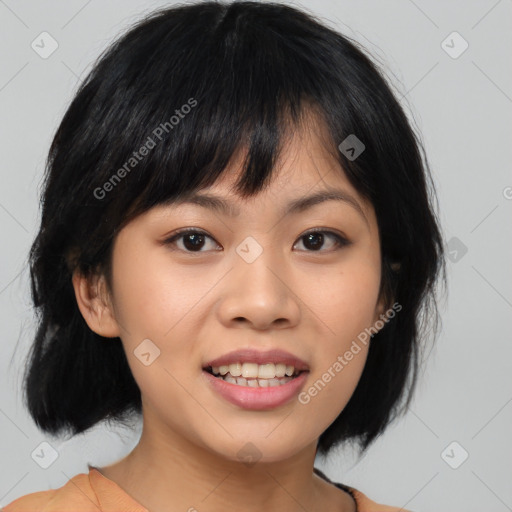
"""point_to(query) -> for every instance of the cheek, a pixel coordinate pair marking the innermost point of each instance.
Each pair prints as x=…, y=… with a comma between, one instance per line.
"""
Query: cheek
x=345, y=298
x=345, y=301
x=153, y=295
x=159, y=301
x=135, y=291
x=152, y=301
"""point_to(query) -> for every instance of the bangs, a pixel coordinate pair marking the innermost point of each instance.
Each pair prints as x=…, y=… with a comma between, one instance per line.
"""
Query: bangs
x=184, y=117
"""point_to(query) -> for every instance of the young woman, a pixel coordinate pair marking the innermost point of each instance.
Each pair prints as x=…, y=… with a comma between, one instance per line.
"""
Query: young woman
x=237, y=244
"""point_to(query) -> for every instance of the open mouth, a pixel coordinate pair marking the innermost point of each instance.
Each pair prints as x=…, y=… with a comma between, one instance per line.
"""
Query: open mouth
x=249, y=377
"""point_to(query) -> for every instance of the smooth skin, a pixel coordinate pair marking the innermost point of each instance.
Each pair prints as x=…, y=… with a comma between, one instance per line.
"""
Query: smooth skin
x=197, y=299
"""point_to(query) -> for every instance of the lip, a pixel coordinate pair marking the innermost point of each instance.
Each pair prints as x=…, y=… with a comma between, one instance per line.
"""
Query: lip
x=256, y=398
x=260, y=357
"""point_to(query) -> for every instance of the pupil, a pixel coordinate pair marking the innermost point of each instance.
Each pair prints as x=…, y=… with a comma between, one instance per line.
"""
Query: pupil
x=311, y=237
x=196, y=239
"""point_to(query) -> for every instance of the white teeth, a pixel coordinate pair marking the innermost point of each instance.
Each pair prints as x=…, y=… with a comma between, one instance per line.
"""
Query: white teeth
x=255, y=383
x=250, y=370
x=230, y=379
x=254, y=370
x=266, y=371
x=235, y=369
x=280, y=370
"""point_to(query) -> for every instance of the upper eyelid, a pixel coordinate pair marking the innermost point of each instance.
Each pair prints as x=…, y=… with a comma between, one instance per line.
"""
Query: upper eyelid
x=201, y=231
x=341, y=239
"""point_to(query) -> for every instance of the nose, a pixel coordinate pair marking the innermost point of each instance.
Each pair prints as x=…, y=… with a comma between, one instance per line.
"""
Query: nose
x=259, y=295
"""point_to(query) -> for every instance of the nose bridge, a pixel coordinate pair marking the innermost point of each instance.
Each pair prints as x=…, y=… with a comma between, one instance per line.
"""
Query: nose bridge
x=257, y=290
x=257, y=268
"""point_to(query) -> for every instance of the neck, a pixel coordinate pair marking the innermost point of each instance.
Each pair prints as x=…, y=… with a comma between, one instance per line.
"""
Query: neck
x=171, y=474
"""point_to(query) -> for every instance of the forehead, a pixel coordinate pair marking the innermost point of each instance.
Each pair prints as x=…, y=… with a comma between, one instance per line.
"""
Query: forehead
x=306, y=167
x=305, y=171
x=307, y=156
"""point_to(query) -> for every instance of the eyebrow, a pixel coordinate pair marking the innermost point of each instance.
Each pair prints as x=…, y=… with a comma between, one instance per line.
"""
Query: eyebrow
x=218, y=204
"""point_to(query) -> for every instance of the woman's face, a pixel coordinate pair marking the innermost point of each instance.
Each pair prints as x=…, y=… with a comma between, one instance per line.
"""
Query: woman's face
x=254, y=280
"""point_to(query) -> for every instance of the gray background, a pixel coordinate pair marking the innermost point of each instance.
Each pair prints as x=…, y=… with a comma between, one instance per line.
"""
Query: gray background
x=461, y=105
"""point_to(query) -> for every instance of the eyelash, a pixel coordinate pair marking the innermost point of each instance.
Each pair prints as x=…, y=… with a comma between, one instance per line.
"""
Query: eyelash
x=340, y=240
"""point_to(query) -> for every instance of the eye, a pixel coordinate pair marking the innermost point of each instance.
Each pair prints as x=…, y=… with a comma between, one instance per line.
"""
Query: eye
x=315, y=239
x=193, y=240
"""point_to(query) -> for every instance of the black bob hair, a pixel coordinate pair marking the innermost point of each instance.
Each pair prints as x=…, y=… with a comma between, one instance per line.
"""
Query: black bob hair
x=194, y=84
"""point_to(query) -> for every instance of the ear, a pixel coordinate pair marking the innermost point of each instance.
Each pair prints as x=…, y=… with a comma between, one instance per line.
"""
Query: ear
x=384, y=305
x=380, y=308
x=95, y=305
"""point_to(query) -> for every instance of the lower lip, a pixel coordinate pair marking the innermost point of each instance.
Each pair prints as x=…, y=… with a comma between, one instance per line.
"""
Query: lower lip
x=257, y=398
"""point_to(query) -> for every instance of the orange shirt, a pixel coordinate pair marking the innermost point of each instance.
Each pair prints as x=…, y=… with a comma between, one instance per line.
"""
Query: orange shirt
x=94, y=492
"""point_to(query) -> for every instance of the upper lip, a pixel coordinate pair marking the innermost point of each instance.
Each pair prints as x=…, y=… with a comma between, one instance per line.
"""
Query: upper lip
x=260, y=357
